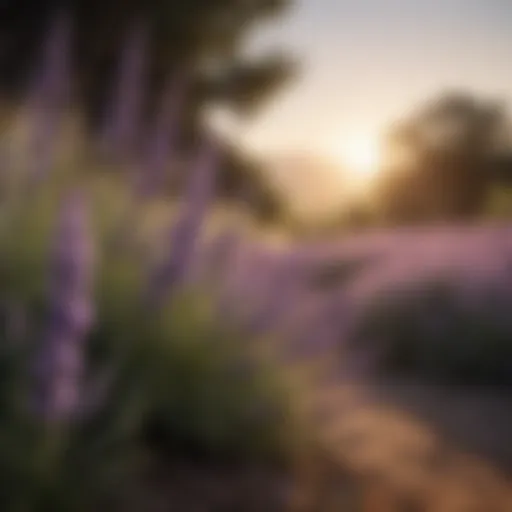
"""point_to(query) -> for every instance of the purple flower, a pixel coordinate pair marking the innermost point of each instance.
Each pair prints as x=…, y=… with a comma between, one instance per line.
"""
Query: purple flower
x=185, y=232
x=123, y=120
x=272, y=290
x=214, y=261
x=245, y=286
x=47, y=98
x=161, y=145
x=60, y=366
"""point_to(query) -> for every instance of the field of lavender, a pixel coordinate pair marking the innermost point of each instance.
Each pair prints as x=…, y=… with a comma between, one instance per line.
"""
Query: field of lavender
x=142, y=340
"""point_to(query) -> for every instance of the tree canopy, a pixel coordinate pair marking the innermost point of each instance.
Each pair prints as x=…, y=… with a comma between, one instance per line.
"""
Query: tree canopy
x=443, y=159
x=207, y=37
x=201, y=41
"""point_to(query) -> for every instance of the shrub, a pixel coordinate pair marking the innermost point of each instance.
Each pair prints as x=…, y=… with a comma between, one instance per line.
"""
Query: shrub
x=112, y=357
x=161, y=380
x=428, y=330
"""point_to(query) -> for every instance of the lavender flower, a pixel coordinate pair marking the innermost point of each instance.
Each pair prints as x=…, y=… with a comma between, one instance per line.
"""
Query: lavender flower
x=59, y=369
x=216, y=256
x=47, y=96
x=246, y=284
x=185, y=233
x=160, y=149
x=123, y=120
x=161, y=145
x=276, y=282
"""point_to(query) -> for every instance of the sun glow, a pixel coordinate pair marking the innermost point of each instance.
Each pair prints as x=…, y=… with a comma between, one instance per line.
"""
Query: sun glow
x=361, y=157
x=358, y=160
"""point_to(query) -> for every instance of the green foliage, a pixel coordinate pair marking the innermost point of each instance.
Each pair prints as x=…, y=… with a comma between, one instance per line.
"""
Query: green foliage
x=203, y=42
x=207, y=37
x=209, y=394
x=179, y=382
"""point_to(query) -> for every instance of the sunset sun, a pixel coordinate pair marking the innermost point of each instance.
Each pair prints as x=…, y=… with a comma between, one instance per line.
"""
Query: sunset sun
x=362, y=157
x=359, y=160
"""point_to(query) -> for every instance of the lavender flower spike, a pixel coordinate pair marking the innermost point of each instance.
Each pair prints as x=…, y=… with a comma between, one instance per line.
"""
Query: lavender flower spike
x=217, y=256
x=161, y=145
x=123, y=118
x=47, y=97
x=59, y=369
x=185, y=233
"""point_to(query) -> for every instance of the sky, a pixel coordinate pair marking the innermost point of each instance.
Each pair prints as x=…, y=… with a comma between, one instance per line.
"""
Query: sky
x=365, y=63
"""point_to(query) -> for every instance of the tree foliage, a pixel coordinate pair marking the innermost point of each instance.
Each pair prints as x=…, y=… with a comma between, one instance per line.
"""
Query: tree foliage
x=206, y=37
x=201, y=41
x=443, y=160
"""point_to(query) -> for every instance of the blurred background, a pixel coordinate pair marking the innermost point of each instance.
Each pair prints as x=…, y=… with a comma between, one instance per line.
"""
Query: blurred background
x=255, y=255
x=333, y=115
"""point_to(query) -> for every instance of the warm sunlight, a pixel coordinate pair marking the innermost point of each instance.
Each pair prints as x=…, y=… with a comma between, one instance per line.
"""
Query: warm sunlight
x=359, y=158
x=362, y=157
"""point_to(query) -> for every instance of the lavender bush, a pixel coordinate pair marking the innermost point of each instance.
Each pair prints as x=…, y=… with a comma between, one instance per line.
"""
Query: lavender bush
x=128, y=384
x=108, y=377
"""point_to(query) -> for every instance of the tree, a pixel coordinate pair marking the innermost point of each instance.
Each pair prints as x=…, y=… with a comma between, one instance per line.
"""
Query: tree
x=202, y=40
x=204, y=36
x=442, y=160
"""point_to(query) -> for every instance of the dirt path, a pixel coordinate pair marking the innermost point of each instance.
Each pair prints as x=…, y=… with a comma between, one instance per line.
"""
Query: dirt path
x=418, y=447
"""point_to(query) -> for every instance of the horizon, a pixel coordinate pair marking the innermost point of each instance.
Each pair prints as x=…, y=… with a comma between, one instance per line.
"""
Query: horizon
x=362, y=67
x=365, y=65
